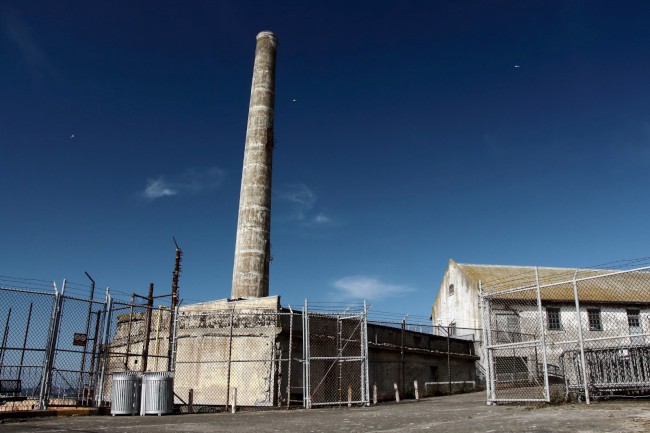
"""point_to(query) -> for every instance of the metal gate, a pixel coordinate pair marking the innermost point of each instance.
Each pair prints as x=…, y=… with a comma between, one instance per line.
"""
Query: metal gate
x=335, y=347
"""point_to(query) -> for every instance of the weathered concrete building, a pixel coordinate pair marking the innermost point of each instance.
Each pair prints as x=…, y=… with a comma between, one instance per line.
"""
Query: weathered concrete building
x=275, y=356
x=613, y=318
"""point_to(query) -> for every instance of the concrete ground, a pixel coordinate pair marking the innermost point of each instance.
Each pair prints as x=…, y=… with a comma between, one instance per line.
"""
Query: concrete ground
x=453, y=414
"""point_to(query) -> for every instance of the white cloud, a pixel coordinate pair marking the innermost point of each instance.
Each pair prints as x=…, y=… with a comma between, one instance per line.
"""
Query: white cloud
x=187, y=183
x=364, y=287
x=322, y=219
x=301, y=201
x=158, y=188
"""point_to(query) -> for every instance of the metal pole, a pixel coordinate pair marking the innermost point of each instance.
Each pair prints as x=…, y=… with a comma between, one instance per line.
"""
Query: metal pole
x=128, y=333
x=581, y=339
x=232, y=313
x=147, y=331
x=542, y=328
x=22, y=353
x=365, y=346
x=105, y=337
x=449, y=359
x=339, y=353
x=4, y=339
x=157, y=345
x=85, y=351
x=402, y=356
x=307, y=379
x=172, y=309
x=490, y=352
x=46, y=385
x=290, y=357
x=486, y=366
x=93, y=355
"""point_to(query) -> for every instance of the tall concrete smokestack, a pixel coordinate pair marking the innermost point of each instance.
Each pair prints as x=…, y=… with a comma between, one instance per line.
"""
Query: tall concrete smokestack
x=250, y=276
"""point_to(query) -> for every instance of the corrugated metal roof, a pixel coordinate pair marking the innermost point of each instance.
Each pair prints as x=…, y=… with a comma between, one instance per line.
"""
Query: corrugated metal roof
x=608, y=286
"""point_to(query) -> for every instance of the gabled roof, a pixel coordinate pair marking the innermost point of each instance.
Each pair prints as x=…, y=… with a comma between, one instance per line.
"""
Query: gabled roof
x=595, y=285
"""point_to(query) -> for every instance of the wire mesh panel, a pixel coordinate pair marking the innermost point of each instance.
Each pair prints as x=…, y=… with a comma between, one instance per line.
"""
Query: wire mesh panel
x=254, y=353
x=337, y=359
x=138, y=338
x=516, y=353
x=24, y=323
x=586, y=334
x=72, y=376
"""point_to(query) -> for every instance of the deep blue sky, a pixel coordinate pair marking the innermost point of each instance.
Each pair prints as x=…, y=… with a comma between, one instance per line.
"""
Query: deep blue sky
x=487, y=132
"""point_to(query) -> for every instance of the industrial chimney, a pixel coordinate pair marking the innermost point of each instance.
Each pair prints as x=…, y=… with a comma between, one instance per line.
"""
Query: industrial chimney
x=250, y=277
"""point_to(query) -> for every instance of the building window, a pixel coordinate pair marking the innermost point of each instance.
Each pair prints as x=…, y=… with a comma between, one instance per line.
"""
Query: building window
x=508, y=328
x=452, y=329
x=634, y=323
x=595, y=323
x=553, y=317
x=451, y=290
x=633, y=318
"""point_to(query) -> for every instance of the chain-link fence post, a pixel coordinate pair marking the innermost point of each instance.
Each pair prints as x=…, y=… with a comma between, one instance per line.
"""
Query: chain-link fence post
x=108, y=311
x=306, y=386
x=232, y=314
x=55, y=322
x=580, y=338
x=484, y=355
x=364, y=352
x=542, y=331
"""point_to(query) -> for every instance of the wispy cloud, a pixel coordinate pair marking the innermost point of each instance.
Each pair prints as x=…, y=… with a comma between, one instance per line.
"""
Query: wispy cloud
x=187, y=183
x=301, y=201
x=371, y=288
x=21, y=36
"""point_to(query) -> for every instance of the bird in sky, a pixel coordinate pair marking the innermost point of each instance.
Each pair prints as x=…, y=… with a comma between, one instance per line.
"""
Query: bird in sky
x=294, y=100
x=71, y=136
x=517, y=66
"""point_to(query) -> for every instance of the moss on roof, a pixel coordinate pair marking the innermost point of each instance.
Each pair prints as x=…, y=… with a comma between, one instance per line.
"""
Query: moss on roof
x=613, y=286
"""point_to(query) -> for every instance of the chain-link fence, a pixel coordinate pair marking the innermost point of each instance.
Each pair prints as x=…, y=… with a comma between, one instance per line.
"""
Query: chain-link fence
x=59, y=347
x=567, y=333
x=441, y=359
x=336, y=359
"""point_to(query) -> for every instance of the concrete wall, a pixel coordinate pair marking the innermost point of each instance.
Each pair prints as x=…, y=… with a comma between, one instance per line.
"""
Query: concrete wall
x=425, y=360
x=261, y=355
x=462, y=307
